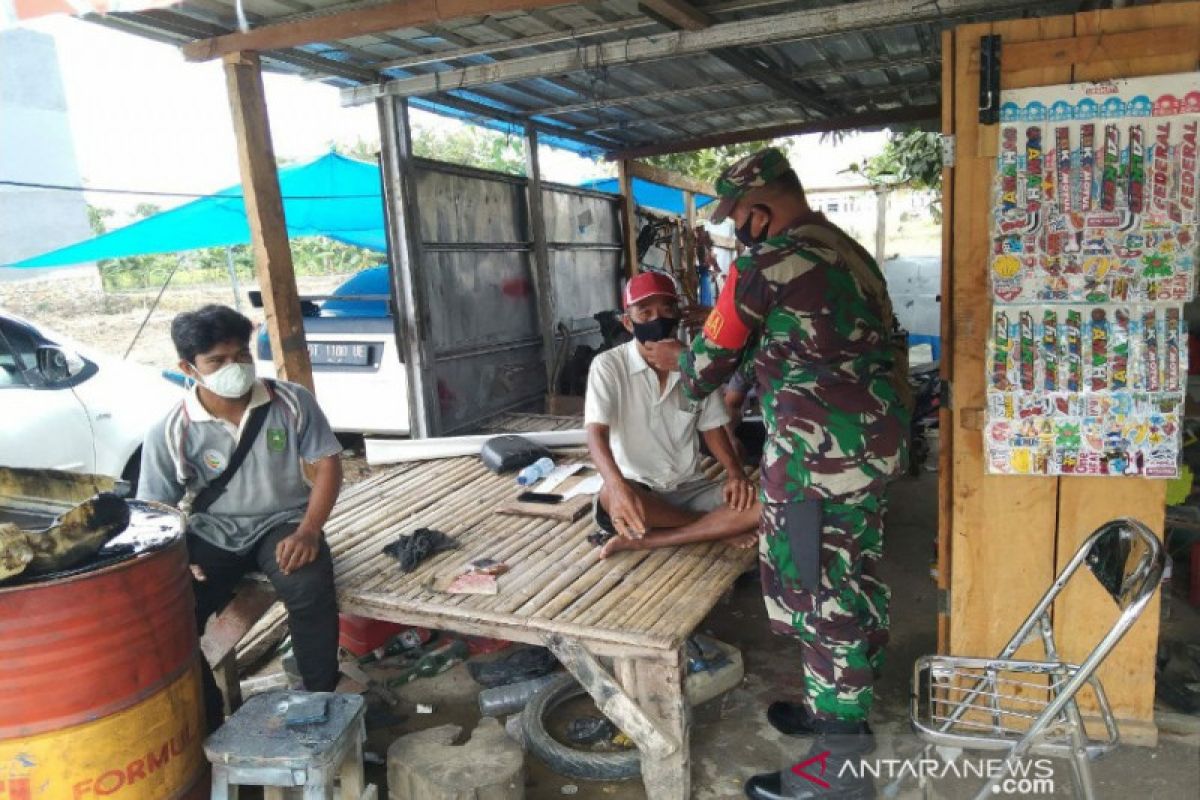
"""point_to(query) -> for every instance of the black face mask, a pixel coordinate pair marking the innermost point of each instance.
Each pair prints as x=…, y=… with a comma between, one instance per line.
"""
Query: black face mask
x=655, y=330
x=744, y=236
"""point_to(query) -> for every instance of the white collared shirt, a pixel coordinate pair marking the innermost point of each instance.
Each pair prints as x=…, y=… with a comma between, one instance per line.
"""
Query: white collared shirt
x=198, y=413
x=653, y=434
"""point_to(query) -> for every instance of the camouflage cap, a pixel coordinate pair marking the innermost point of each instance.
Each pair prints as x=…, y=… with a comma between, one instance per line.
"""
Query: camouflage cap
x=751, y=172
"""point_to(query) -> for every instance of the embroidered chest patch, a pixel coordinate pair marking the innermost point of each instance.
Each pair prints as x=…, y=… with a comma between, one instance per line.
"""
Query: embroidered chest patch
x=276, y=439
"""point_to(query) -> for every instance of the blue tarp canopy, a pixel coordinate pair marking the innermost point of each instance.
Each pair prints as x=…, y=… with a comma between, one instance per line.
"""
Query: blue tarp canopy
x=648, y=194
x=331, y=196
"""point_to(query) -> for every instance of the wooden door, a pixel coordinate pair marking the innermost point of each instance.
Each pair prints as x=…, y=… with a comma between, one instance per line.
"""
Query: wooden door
x=1002, y=539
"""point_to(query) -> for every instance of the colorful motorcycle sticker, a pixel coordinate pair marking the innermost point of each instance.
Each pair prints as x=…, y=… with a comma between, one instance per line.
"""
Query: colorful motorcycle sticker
x=1150, y=359
x=1062, y=151
x=1033, y=171
x=1112, y=156
x=1000, y=353
x=1120, y=349
x=1137, y=170
x=1162, y=166
x=1074, y=342
x=1028, y=353
x=1050, y=350
x=1098, y=366
x=1087, y=164
x=1171, y=381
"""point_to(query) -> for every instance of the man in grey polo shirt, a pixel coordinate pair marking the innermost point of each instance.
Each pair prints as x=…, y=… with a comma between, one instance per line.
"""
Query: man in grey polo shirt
x=644, y=437
x=269, y=517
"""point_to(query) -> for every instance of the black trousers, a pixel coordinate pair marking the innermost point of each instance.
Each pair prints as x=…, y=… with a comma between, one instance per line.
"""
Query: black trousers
x=307, y=593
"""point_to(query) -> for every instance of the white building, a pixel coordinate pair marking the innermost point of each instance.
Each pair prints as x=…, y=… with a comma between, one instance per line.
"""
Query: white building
x=35, y=147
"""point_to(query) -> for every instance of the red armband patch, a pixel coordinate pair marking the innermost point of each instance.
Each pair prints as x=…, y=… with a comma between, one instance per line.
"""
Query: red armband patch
x=724, y=327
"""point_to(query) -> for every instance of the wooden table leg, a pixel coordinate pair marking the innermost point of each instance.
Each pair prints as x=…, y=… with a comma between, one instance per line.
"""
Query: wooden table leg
x=660, y=693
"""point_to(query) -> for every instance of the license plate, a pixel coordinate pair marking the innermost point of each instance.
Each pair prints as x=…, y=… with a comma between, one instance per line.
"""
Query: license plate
x=342, y=354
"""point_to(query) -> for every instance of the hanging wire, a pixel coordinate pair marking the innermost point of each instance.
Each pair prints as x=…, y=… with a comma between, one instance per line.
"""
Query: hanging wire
x=153, y=306
x=58, y=187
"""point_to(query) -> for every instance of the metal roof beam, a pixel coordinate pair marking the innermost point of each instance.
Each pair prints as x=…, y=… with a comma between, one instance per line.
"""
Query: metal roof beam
x=797, y=127
x=805, y=74
x=490, y=48
x=668, y=119
x=356, y=21
x=680, y=14
x=559, y=35
x=805, y=24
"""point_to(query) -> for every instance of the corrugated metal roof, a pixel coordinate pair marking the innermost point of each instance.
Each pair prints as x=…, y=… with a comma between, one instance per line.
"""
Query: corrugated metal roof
x=595, y=106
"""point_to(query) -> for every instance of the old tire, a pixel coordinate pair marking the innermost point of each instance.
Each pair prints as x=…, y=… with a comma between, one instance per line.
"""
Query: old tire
x=580, y=764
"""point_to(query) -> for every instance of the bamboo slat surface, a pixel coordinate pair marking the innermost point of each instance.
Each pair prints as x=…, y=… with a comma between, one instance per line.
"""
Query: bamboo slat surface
x=556, y=581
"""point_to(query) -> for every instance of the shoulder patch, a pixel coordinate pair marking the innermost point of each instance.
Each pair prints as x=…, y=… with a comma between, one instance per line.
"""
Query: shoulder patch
x=724, y=326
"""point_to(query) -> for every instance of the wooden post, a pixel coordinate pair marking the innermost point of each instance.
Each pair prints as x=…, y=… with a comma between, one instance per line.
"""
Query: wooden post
x=691, y=279
x=264, y=212
x=628, y=218
x=543, y=279
x=406, y=258
x=881, y=205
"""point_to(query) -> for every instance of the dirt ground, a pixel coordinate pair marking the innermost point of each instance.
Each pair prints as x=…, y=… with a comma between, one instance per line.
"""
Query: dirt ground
x=75, y=305
x=731, y=739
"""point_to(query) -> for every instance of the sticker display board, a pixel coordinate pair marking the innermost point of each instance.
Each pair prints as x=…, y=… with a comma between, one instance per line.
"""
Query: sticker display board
x=1094, y=223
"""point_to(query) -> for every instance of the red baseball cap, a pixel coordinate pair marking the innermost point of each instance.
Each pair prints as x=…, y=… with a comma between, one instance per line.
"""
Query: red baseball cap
x=648, y=284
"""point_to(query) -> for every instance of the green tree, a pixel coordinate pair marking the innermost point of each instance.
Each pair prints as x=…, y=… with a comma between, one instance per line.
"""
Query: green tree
x=912, y=160
x=705, y=165
x=468, y=145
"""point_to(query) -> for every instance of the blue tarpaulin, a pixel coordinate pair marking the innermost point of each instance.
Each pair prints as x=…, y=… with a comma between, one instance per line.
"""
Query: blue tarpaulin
x=648, y=194
x=331, y=196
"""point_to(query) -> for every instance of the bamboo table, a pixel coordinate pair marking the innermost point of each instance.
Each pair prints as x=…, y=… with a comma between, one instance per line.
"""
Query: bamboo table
x=619, y=625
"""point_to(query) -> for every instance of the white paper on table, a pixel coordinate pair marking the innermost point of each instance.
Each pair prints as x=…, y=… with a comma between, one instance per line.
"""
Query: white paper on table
x=556, y=476
x=589, y=485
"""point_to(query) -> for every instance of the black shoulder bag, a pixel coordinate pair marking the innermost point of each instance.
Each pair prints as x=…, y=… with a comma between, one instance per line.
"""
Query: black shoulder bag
x=209, y=494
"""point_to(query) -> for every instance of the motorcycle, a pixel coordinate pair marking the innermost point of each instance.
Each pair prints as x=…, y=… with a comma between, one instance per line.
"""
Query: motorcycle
x=925, y=380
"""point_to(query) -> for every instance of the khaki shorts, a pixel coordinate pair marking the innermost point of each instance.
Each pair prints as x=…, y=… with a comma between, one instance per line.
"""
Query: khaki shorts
x=700, y=496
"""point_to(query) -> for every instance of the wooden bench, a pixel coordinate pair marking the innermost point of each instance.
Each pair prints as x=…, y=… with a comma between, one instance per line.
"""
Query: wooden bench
x=254, y=597
x=619, y=625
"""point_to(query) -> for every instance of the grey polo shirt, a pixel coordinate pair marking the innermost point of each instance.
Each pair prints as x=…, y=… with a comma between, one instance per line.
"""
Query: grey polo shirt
x=188, y=449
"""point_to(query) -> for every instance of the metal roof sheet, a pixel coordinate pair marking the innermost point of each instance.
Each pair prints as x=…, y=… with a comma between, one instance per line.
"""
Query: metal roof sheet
x=842, y=71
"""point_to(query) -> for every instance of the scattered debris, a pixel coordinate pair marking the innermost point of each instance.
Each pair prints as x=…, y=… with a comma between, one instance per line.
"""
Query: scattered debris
x=411, y=549
x=473, y=583
x=424, y=708
x=570, y=789
x=509, y=699
x=519, y=665
x=434, y=662
x=590, y=730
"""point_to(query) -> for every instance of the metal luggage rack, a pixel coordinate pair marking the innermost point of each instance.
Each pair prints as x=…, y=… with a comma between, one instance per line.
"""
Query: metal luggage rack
x=976, y=703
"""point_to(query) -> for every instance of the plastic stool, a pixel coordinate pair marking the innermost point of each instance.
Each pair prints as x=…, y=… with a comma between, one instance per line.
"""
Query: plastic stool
x=256, y=748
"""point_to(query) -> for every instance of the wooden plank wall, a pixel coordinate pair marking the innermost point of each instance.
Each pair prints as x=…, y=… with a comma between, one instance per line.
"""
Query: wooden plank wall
x=1010, y=535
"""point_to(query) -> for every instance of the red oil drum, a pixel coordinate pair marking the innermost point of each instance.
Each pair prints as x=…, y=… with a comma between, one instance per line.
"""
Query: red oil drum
x=100, y=685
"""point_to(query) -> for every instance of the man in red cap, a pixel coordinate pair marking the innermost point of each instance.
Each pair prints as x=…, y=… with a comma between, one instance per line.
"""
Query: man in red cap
x=642, y=434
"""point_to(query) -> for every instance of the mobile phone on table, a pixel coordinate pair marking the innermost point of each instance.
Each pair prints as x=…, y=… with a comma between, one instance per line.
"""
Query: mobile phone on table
x=539, y=497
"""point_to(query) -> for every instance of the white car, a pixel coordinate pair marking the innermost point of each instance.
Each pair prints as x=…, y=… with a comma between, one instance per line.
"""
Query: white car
x=65, y=407
x=358, y=373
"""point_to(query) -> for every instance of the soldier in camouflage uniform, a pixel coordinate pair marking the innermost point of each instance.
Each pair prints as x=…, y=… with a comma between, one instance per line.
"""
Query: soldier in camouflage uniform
x=836, y=430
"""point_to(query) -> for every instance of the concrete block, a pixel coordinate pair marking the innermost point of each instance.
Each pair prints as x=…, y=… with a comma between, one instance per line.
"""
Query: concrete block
x=427, y=765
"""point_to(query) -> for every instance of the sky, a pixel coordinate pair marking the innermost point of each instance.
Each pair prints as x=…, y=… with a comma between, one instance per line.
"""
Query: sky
x=143, y=118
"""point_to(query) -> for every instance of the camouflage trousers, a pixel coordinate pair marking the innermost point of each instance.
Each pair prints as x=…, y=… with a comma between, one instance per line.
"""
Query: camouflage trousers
x=843, y=625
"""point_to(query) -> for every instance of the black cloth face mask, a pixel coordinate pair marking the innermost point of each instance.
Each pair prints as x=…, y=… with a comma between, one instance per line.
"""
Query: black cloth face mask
x=655, y=330
x=744, y=236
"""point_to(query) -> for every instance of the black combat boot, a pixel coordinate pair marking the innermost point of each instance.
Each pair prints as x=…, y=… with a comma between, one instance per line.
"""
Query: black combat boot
x=822, y=774
x=794, y=719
